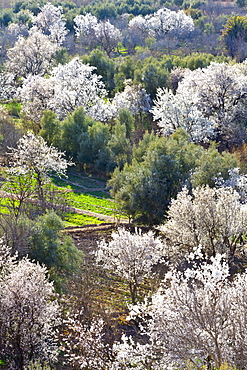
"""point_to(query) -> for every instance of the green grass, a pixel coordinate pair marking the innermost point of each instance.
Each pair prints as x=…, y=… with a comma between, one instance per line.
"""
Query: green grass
x=5, y=204
x=4, y=210
x=13, y=108
x=66, y=185
x=87, y=182
x=80, y=199
x=94, y=201
x=99, y=194
x=72, y=219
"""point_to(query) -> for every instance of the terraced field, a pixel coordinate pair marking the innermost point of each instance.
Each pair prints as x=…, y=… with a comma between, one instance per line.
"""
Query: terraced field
x=90, y=200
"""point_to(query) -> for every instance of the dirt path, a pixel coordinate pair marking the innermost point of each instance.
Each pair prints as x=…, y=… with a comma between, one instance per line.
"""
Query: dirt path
x=104, y=189
x=100, y=216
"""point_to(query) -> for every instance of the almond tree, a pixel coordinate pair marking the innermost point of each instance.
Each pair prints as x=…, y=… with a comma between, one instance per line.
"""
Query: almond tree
x=236, y=181
x=34, y=49
x=29, y=313
x=84, y=344
x=34, y=158
x=138, y=31
x=8, y=86
x=134, y=98
x=162, y=22
x=70, y=86
x=76, y=85
x=166, y=21
x=107, y=36
x=95, y=33
x=85, y=24
x=213, y=218
x=31, y=55
x=35, y=94
x=85, y=28
x=174, y=111
x=210, y=103
x=50, y=21
x=130, y=256
x=197, y=319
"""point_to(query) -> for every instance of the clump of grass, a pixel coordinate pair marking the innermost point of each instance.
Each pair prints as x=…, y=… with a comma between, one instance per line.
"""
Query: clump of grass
x=14, y=108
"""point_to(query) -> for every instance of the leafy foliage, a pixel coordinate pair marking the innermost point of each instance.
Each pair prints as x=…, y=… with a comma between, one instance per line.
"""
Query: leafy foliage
x=159, y=168
x=235, y=36
x=48, y=246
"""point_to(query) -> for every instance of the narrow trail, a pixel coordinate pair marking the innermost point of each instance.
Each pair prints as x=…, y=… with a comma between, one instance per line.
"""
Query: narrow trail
x=85, y=188
x=100, y=216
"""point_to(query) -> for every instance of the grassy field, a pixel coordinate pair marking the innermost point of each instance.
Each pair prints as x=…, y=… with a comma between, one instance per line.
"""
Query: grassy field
x=73, y=219
x=77, y=186
x=82, y=193
x=89, y=194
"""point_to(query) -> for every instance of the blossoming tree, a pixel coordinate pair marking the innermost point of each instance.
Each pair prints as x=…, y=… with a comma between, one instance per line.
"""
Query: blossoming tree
x=131, y=256
x=197, y=319
x=29, y=313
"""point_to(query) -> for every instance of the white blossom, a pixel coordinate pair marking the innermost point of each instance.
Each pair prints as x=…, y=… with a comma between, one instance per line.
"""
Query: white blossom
x=131, y=256
x=174, y=111
x=107, y=35
x=84, y=344
x=140, y=25
x=134, y=98
x=35, y=94
x=75, y=86
x=85, y=24
x=236, y=181
x=103, y=111
x=101, y=33
x=8, y=86
x=213, y=218
x=34, y=156
x=31, y=55
x=167, y=21
x=18, y=29
x=70, y=86
x=208, y=102
x=50, y=21
x=131, y=354
x=29, y=313
x=198, y=317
